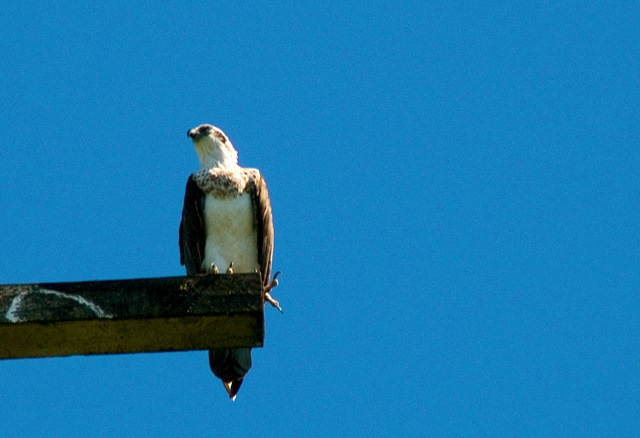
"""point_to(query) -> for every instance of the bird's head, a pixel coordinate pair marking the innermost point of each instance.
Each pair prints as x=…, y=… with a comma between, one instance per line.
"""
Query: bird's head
x=213, y=147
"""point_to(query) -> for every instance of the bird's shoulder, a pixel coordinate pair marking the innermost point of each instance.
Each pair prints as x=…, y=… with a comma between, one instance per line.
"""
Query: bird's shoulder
x=227, y=181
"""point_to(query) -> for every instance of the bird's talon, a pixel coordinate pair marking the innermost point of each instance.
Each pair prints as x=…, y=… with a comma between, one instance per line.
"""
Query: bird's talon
x=274, y=303
x=267, y=295
x=213, y=269
x=230, y=269
x=273, y=283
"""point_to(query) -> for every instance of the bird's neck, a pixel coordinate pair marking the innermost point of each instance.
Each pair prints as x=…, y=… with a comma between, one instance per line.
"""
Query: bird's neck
x=216, y=155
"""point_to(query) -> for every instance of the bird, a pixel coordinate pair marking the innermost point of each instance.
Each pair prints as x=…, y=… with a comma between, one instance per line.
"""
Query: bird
x=226, y=227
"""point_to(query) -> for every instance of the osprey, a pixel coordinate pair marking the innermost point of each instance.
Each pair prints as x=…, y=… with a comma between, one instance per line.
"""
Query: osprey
x=227, y=227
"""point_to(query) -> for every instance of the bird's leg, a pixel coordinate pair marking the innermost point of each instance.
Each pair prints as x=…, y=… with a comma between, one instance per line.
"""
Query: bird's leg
x=230, y=269
x=267, y=295
x=213, y=269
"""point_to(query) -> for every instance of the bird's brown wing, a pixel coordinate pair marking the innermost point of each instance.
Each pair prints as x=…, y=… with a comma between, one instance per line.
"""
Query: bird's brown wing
x=264, y=225
x=192, y=233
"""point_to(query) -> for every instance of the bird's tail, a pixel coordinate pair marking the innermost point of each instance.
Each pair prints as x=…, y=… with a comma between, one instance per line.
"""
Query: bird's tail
x=232, y=387
x=230, y=366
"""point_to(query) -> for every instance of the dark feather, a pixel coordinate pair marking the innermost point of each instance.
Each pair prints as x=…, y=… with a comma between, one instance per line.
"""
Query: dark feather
x=192, y=233
x=264, y=225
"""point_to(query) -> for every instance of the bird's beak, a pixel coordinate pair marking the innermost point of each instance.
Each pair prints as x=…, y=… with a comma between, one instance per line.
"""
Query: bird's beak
x=190, y=133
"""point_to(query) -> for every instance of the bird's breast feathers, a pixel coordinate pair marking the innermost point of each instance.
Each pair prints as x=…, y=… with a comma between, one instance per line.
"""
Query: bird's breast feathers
x=229, y=218
x=231, y=234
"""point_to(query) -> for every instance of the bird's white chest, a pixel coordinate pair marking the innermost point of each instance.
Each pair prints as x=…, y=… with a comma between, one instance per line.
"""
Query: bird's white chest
x=231, y=233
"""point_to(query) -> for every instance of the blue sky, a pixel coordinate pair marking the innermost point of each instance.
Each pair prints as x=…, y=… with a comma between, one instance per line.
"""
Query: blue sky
x=455, y=191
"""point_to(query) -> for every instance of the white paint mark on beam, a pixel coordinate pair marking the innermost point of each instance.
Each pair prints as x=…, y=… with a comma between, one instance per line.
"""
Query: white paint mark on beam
x=13, y=312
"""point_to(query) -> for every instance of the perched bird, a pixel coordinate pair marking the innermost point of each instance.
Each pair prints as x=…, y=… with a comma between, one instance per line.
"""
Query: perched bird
x=226, y=227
